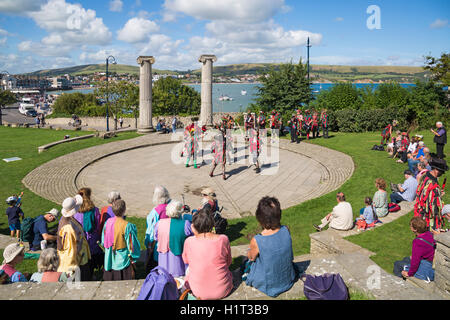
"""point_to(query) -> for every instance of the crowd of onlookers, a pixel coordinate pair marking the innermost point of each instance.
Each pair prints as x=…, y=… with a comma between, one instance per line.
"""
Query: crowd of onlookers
x=187, y=243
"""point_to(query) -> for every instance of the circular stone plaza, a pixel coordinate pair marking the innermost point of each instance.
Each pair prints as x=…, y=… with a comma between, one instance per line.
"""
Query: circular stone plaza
x=293, y=173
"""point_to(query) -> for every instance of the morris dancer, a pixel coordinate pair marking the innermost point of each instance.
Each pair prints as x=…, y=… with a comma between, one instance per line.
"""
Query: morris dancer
x=218, y=148
x=315, y=125
x=387, y=132
x=194, y=135
x=293, y=128
x=274, y=123
x=324, y=122
x=255, y=148
x=307, y=125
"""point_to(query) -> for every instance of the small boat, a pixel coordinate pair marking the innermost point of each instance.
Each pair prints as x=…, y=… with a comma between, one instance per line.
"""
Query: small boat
x=225, y=98
x=243, y=92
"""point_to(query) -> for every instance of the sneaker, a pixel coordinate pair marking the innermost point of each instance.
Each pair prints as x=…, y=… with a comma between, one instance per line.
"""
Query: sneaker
x=318, y=229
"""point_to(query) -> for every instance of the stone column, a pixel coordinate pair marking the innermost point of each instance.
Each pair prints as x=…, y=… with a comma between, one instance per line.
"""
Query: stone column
x=145, y=95
x=206, y=115
x=442, y=264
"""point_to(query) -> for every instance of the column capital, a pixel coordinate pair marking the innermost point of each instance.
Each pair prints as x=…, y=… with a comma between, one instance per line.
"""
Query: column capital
x=206, y=57
x=143, y=59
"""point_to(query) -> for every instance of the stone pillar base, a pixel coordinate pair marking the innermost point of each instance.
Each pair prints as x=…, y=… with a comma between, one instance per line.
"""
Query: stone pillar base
x=146, y=130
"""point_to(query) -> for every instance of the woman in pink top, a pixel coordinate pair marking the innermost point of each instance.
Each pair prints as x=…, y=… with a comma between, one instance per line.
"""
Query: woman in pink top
x=209, y=257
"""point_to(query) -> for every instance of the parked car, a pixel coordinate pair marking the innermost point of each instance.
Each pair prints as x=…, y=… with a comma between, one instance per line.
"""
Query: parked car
x=31, y=113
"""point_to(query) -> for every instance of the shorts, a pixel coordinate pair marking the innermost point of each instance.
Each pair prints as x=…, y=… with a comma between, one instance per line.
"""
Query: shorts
x=15, y=227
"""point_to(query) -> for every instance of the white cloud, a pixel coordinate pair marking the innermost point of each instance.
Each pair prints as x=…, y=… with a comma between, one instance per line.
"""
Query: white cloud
x=137, y=30
x=235, y=10
x=339, y=19
x=19, y=6
x=438, y=23
x=116, y=5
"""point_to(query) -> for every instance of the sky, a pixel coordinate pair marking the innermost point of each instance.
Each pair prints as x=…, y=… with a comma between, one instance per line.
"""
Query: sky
x=47, y=34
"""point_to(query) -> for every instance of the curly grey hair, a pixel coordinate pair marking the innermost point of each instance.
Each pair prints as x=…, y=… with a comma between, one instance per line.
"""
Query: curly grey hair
x=113, y=196
x=160, y=195
x=48, y=261
x=174, y=209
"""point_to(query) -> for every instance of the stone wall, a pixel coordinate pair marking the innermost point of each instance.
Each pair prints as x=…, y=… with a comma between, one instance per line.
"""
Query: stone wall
x=100, y=122
x=442, y=263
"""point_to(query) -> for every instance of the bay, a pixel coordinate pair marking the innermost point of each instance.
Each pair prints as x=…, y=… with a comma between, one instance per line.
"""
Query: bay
x=240, y=101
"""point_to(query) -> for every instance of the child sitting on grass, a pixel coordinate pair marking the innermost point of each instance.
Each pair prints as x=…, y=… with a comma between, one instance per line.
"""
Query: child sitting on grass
x=367, y=216
x=14, y=214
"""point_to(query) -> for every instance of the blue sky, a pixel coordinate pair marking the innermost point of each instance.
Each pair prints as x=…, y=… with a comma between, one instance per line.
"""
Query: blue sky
x=41, y=34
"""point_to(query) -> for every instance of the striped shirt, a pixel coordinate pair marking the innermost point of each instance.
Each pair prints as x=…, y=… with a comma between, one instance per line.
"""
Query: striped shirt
x=410, y=187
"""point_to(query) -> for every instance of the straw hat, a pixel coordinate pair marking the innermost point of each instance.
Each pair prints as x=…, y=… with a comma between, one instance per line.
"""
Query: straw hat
x=71, y=206
x=209, y=192
x=12, y=251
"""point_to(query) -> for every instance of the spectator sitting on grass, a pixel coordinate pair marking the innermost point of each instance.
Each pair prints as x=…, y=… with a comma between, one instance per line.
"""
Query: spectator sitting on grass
x=380, y=199
x=13, y=255
x=341, y=218
x=423, y=248
x=367, y=216
x=270, y=256
x=422, y=168
x=405, y=191
x=415, y=159
x=48, y=264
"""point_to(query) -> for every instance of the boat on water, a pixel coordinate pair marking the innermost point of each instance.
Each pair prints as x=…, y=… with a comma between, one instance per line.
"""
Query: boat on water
x=243, y=92
x=225, y=98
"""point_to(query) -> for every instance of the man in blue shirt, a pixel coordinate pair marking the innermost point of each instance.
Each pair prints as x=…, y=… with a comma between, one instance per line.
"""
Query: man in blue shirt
x=407, y=190
x=414, y=160
x=40, y=229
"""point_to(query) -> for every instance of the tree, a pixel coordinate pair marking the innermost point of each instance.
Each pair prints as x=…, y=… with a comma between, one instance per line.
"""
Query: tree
x=341, y=96
x=284, y=89
x=439, y=68
x=171, y=97
x=391, y=95
x=6, y=98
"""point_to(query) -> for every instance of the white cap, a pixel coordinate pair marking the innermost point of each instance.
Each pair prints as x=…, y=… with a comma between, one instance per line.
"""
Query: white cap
x=54, y=212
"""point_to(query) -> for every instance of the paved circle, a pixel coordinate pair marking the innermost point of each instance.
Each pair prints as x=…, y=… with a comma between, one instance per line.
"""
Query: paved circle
x=135, y=173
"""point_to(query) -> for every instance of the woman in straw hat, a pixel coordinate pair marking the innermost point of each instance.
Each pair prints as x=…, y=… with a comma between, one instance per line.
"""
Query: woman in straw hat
x=13, y=255
x=73, y=249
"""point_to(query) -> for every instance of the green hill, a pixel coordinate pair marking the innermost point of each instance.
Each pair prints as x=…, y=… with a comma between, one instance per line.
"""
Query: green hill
x=322, y=73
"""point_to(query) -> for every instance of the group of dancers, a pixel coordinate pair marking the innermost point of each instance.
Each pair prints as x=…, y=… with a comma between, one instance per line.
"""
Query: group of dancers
x=310, y=122
x=255, y=128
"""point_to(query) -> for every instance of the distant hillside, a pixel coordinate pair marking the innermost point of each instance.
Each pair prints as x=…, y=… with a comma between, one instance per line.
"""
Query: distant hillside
x=94, y=68
x=322, y=73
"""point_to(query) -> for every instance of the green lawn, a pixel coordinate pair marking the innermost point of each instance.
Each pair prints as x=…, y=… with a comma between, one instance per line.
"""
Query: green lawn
x=390, y=242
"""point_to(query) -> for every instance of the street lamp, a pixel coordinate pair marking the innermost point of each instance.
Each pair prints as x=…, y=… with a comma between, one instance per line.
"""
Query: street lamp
x=113, y=61
x=1, y=106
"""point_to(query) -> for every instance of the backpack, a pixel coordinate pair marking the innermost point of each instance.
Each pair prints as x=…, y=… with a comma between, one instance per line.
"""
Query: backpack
x=378, y=148
x=393, y=207
x=26, y=228
x=220, y=223
x=325, y=287
x=159, y=285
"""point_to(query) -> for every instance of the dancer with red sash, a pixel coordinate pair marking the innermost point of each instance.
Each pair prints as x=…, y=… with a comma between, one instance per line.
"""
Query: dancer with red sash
x=255, y=148
x=324, y=122
x=218, y=148
x=315, y=125
x=387, y=132
x=429, y=196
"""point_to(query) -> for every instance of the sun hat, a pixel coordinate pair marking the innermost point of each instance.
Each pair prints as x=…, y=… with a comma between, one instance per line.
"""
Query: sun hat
x=446, y=209
x=209, y=192
x=70, y=206
x=438, y=164
x=12, y=251
x=54, y=212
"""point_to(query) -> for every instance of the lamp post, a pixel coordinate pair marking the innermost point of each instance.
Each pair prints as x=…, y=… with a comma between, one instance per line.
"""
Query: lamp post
x=308, y=45
x=113, y=61
x=1, y=106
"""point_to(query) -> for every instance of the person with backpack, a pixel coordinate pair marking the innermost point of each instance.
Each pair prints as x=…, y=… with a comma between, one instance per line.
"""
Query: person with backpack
x=271, y=257
x=40, y=230
x=171, y=234
x=89, y=217
x=13, y=255
x=14, y=213
x=423, y=249
x=209, y=258
x=106, y=211
x=122, y=247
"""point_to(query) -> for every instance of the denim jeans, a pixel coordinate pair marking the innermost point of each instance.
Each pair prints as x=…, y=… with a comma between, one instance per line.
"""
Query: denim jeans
x=425, y=271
